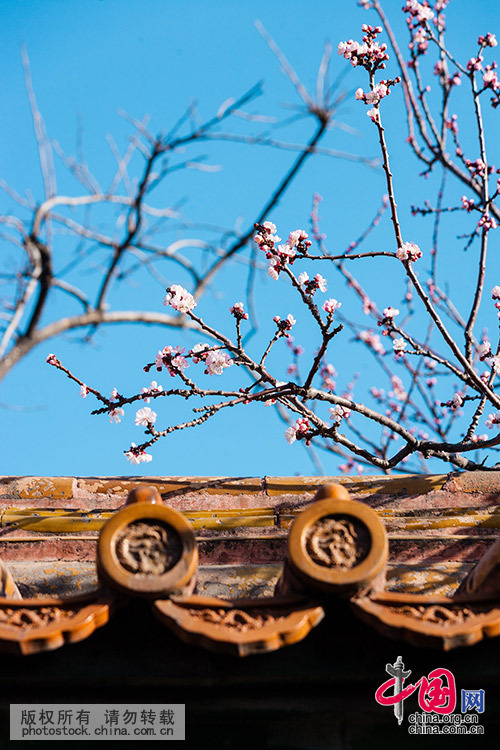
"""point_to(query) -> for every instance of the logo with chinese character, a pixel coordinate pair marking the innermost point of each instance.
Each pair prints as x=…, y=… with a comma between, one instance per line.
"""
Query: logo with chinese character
x=437, y=692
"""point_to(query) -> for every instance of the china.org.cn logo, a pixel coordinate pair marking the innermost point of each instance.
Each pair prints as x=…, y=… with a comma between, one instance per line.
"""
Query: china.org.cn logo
x=437, y=699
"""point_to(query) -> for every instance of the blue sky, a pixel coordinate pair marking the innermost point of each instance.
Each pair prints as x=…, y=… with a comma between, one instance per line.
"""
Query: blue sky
x=90, y=59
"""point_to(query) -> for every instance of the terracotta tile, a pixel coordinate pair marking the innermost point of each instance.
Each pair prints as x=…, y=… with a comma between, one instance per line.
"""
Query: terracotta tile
x=36, y=488
x=486, y=482
x=408, y=484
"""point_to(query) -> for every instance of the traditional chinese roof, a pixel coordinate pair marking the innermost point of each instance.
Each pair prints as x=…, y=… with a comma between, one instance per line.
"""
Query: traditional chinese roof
x=438, y=526
x=249, y=545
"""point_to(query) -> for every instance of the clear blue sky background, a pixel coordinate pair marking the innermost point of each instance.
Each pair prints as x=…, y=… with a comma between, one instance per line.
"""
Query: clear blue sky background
x=90, y=58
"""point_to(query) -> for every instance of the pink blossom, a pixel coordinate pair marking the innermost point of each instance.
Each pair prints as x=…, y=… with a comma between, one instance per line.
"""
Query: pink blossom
x=421, y=12
x=52, y=360
x=360, y=94
x=217, y=361
x=398, y=391
x=369, y=53
x=484, y=350
x=495, y=363
x=487, y=222
x=83, y=391
x=296, y=431
x=199, y=352
x=238, y=311
x=399, y=346
x=477, y=168
x=331, y=305
x=270, y=226
x=338, y=413
x=467, y=203
x=136, y=457
x=285, y=325
x=390, y=312
x=297, y=237
x=312, y=285
x=456, y=401
x=373, y=114
x=179, y=298
x=495, y=292
x=493, y=419
x=171, y=358
x=321, y=282
x=116, y=414
x=489, y=40
x=114, y=394
x=478, y=438
x=153, y=388
x=327, y=373
x=409, y=251
x=474, y=63
x=490, y=78
x=145, y=416
x=274, y=271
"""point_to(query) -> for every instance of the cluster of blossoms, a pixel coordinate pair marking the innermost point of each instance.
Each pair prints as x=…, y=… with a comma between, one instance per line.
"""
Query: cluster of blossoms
x=475, y=63
x=280, y=255
x=179, y=298
x=216, y=361
x=486, y=223
x=136, y=456
x=477, y=168
x=418, y=13
x=284, y=325
x=338, y=413
x=489, y=40
x=238, y=311
x=312, y=285
x=409, y=251
x=375, y=95
x=468, y=204
x=172, y=359
x=490, y=76
x=369, y=54
x=297, y=431
x=418, y=16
